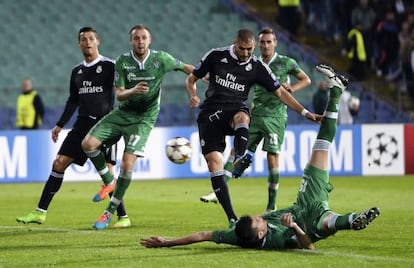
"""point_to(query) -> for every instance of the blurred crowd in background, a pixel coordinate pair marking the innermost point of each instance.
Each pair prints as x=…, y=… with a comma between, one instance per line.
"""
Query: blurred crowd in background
x=386, y=30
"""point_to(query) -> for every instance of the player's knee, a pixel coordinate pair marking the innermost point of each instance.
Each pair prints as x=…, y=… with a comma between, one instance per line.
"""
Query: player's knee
x=128, y=162
x=60, y=164
x=241, y=118
x=85, y=144
x=88, y=144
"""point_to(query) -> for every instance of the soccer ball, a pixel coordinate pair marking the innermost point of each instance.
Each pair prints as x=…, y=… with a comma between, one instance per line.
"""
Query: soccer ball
x=178, y=150
x=354, y=103
x=382, y=149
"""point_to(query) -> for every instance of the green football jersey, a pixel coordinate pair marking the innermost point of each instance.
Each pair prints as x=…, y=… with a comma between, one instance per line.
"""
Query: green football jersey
x=311, y=204
x=129, y=71
x=266, y=103
x=278, y=236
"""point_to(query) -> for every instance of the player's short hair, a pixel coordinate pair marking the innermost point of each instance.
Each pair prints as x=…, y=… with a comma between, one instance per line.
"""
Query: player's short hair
x=87, y=29
x=246, y=235
x=139, y=27
x=245, y=35
x=268, y=30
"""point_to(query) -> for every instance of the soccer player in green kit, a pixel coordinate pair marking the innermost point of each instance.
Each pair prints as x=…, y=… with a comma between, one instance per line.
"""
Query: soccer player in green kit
x=269, y=116
x=309, y=219
x=138, y=77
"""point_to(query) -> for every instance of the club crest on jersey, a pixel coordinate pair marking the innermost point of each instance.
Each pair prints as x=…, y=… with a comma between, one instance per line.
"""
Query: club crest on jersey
x=248, y=67
x=99, y=69
x=156, y=65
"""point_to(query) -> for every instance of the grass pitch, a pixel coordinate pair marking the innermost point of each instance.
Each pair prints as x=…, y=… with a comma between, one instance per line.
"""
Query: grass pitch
x=172, y=208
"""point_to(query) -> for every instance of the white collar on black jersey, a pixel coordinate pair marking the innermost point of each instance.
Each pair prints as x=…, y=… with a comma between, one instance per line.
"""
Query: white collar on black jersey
x=92, y=62
x=141, y=64
x=235, y=57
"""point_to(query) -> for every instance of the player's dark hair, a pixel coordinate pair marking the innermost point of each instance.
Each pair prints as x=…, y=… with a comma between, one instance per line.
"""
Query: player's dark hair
x=246, y=235
x=245, y=35
x=139, y=27
x=86, y=29
x=268, y=30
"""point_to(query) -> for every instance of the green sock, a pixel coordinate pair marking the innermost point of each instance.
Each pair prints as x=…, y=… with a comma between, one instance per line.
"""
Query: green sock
x=343, y=221
x=336, y=222
x=334, y=97
x=273, y=185
x=98, y=160
x=228, y=169
x=122, y=185
x=328, y=125
x=271, y=198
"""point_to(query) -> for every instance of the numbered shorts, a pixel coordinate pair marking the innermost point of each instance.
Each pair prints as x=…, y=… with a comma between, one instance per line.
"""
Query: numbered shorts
x=133, y=128
x=313, y=195
x=270, y=129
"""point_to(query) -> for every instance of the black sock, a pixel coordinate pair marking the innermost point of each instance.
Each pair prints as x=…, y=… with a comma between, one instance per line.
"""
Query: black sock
x=241, y=135
x=222, y=192
x=51, y=187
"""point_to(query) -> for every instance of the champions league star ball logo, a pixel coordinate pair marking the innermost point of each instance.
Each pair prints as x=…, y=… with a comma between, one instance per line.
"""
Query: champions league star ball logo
x=382, y=150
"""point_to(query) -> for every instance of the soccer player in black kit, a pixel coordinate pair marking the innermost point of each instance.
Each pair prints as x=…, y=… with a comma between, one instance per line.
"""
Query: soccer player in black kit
x=232, y=71
x=92, y=92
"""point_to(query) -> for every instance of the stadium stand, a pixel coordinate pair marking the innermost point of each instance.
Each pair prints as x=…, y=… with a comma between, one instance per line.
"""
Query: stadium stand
x=41, y=44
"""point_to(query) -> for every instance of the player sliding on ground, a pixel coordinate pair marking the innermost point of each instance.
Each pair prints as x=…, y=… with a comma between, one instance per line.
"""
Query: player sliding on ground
x=309, y=219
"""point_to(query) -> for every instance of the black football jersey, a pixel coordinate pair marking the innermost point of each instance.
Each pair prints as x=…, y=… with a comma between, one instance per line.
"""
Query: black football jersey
x=230, y=80
x=91, y=90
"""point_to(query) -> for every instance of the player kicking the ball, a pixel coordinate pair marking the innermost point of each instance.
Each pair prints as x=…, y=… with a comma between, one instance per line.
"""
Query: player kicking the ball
x=309, y=219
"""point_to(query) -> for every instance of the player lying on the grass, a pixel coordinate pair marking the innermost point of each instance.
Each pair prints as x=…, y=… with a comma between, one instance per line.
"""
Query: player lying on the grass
x=309, y=219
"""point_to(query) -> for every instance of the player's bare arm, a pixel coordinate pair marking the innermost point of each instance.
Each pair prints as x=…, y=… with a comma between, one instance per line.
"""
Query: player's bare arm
x=293, y=104
x=139, y=89
x=188, y=68
x=303, y=81
x=190, y=83
x=303, y=240
x=157, y=241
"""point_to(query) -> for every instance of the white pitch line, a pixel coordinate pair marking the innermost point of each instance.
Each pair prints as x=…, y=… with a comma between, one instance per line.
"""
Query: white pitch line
x=117, y=234
x=64, y=230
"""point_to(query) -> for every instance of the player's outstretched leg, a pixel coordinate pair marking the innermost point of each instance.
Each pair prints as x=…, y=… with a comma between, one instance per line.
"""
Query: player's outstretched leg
x=332, y=222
